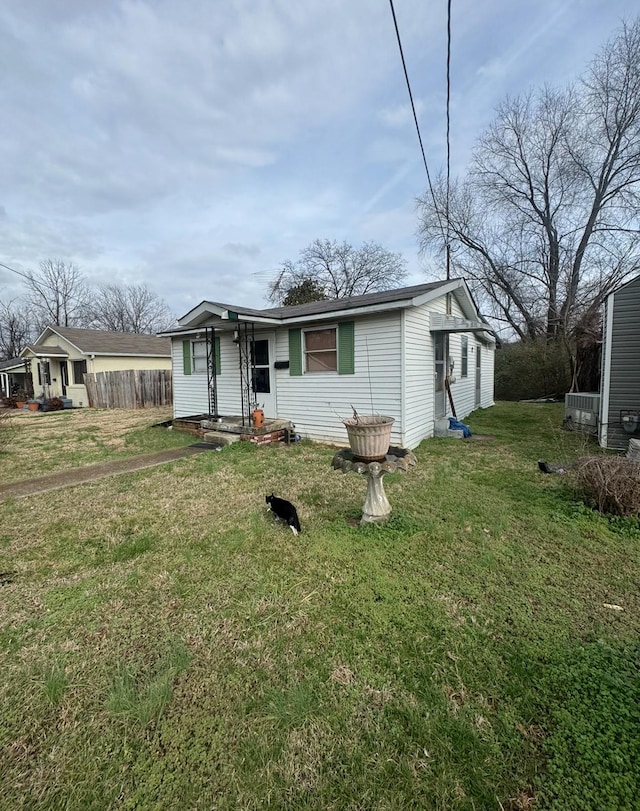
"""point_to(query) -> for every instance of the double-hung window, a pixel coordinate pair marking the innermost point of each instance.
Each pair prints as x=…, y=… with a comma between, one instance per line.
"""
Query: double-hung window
x=464, y=365
x=194, y=356
x=198, y=356
x=320, y=350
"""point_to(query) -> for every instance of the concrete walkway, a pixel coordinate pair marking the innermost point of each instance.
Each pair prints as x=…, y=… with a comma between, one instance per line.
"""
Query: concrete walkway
x=91, y=473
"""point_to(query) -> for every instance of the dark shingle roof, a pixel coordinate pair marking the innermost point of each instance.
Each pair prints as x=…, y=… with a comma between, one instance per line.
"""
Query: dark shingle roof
x=48, y=350
x=335, y=305
x=12, y=363
x=102, y=342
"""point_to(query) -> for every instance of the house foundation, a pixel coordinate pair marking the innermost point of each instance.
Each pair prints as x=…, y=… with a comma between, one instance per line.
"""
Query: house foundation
x=225, y=430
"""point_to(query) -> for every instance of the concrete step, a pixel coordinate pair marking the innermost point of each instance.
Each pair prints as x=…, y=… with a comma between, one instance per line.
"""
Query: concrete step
x=220, y=437
x=441, y=429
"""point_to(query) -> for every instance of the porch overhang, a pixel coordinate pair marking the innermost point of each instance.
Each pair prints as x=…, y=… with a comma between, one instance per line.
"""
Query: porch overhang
x=439, y=322
x=47, y=352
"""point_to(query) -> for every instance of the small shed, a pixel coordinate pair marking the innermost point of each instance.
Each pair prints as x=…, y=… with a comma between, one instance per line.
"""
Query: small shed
x=619, y=418
x=407, y=353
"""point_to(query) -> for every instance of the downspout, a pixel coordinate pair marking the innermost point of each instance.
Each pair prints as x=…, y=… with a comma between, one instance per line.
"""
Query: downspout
x=606, y=373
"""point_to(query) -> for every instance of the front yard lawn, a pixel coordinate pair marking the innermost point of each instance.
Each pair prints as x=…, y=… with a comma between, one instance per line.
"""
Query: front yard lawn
x=35, y=444
x=165, y=645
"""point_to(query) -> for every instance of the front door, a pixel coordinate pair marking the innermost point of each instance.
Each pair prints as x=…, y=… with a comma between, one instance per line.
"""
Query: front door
x=264, y=384
x=64, y=377
x=478, y=376
x=440, y=353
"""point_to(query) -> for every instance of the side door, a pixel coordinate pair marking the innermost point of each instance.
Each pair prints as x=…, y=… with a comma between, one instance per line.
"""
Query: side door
x=439, y=358
x=478, y=376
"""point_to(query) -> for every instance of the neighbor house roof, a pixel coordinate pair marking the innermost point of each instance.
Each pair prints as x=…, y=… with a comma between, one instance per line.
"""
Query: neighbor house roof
x=103, y=342
x=369, y=303
x=12, y=363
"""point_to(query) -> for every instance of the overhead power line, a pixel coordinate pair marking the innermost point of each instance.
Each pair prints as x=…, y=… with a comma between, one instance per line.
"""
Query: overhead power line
x=13, y=270
x=448, y=240
x=445, y=235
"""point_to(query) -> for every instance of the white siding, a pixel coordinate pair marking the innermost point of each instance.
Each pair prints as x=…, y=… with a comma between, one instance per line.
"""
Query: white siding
x=394, y=375
x=419, y=371
x=419, y=376
x=463, y=389
x=190, y=394
x=317, y=403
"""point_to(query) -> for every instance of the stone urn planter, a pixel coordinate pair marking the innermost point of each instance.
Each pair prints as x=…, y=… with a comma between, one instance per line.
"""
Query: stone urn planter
x=369, y=436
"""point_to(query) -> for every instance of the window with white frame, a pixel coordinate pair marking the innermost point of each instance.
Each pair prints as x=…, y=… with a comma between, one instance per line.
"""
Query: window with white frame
x=464, y=365
x=320, y=350
x=198, y=356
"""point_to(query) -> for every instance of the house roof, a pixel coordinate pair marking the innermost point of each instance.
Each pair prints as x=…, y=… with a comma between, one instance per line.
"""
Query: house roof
x=48, y=351
x=12, y=363
x=399, y=298
x=103, y=342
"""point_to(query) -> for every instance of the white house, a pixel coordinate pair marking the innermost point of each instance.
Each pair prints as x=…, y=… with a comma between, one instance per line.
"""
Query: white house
x=388, y=353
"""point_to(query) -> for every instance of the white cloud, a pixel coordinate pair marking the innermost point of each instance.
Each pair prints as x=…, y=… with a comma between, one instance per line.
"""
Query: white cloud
x=193, y=145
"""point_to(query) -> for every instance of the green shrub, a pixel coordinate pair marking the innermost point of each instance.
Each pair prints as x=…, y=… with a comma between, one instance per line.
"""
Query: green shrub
x=55, y=404
x=530, y=370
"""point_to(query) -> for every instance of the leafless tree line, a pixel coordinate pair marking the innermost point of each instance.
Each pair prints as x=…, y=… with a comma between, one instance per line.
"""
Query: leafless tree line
x=546, y=223
x=59, y=294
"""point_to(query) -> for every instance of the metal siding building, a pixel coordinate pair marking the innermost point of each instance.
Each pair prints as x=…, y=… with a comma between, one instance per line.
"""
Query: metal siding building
x=620, y=365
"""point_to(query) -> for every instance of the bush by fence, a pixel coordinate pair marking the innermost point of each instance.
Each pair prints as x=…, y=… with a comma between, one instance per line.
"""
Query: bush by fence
x=133, y=388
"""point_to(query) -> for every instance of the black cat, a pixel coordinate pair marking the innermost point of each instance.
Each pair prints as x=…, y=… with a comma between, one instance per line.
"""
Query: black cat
x=285, y=511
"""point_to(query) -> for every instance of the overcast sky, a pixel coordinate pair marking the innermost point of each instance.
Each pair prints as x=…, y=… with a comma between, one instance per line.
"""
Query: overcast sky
x=194, y=145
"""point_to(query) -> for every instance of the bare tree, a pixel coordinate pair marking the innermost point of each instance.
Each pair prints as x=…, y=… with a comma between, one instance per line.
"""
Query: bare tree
x=339, y=270
x=129, y=308
x=16, y=329
x=58, y=294
x=546, y=224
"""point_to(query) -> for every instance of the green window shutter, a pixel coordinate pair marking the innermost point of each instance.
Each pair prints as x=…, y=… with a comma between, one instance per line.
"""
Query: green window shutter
x=295, y=352
x=186, y=357
x=217, y=354
x=346, y=358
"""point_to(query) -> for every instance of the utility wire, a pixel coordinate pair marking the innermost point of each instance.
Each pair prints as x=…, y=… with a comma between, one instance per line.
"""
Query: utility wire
x=445, y=235
x=448, y=240
x=13, y=270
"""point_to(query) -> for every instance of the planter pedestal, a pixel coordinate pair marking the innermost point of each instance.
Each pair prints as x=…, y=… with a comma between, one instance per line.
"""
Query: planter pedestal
x=376, y=505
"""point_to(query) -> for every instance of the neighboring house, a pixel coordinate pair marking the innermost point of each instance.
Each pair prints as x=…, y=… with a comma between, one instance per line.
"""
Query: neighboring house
x=620, y=380
x=13, y=376
x=62, y=355
x=385, y=353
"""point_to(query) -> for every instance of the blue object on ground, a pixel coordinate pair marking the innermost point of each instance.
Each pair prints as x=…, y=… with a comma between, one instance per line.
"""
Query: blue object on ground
x=456, y=425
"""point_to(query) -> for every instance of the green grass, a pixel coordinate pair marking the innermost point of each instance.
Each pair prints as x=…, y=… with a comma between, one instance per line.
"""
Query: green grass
x=164, y=644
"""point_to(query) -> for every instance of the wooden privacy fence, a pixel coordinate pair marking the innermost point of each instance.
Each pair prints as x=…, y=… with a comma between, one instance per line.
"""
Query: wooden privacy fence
x=132, y=388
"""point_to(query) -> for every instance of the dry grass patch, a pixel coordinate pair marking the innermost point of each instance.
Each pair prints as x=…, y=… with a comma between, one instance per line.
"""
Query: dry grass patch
x=46, y=442
x=609, y=483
